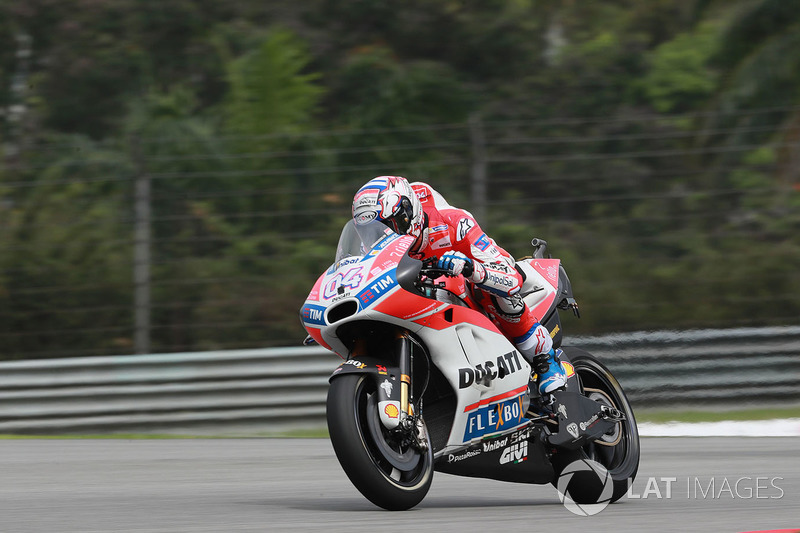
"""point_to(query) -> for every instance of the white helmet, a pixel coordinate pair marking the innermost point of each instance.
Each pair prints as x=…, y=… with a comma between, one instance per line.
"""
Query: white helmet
x=391, y=201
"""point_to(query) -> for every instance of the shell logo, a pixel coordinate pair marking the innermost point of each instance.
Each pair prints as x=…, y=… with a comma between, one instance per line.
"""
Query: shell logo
x=391, y=411
x=570, y=370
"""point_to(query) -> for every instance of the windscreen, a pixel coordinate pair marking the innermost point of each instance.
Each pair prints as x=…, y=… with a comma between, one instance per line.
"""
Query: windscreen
x=358, y=239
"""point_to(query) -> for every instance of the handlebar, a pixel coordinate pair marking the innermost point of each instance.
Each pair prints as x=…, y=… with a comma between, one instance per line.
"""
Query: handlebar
x=539, y=247
x=430, y=270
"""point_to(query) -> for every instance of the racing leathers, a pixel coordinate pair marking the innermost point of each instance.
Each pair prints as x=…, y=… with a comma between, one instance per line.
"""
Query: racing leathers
x=455, y=237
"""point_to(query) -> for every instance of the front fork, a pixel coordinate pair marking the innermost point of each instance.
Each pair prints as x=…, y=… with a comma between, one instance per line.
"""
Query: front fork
x=410, y=422
x=394, y=389
x=404, y=356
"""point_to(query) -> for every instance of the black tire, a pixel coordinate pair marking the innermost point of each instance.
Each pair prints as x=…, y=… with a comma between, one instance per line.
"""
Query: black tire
x=620, y=459
x=390, y=475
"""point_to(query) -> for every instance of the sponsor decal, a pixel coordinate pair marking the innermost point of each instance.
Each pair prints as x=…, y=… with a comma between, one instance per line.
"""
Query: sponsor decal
x=589, y=423
x=366, y=217
x=383, y=243
x=484, y=373
x=460, y=457
x=444, y=242
x=515, y=453
x=572, y=429
x=519, y=436
x=401, y=248
x=501, y=266
x=494, y=418
x=313, y=314
x=381, y=370
x=422, y=311
x=497, y=280
x=483, y=242
x=494, y=445
x=391, y=411
x=354, y=362
x=563, y=410
x=569, y=370
x=440, y=227
x=377, y=288
x=464, y=225
x=554, y=331
x=387, y=386
x=366, y=196
x=551, y=271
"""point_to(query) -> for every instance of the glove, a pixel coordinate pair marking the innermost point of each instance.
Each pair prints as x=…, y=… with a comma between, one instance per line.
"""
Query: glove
x=456, y=263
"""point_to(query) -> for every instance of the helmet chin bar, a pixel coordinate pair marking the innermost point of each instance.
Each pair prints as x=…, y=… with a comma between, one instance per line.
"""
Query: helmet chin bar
x=400, y=221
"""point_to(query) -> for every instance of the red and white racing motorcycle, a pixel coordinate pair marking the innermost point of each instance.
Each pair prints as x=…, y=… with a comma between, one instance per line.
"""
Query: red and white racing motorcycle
x=430, y=383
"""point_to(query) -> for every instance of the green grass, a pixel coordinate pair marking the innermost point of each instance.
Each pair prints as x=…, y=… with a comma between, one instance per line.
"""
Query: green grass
x=296, y=434
x=665, y=415
x=642, y=415
x=120, y=436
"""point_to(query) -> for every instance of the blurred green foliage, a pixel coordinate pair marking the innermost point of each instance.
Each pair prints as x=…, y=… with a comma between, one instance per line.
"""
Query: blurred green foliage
x=654, y=144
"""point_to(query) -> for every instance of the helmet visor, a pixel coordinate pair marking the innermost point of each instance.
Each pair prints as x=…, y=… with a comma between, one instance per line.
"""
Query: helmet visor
x=400, y=220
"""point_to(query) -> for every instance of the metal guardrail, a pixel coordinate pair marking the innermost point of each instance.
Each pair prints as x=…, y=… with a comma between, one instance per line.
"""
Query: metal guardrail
x=243, y=391
x=274, y=390
x=745, y=365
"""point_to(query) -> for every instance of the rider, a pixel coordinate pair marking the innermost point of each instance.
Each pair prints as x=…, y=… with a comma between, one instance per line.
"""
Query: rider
x=454, y=236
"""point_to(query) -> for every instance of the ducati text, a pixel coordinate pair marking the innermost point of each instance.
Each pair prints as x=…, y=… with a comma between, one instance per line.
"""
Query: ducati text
x=486, y=372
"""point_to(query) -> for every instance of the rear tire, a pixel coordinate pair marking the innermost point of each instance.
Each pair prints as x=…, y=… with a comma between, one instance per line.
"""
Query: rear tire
x=619, y=450
x=391, y=475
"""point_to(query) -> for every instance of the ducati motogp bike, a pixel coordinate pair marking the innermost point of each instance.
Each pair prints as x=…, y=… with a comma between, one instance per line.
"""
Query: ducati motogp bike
x=429, y=383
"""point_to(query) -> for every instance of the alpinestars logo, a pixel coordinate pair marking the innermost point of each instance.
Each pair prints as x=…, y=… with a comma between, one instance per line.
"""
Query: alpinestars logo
x=515, y=454
x=464, y=225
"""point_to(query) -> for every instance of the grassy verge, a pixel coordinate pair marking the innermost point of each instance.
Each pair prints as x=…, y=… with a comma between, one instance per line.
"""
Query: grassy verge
x=296, y=434
x=642, y=415
x=120, y=436
x=660, y=416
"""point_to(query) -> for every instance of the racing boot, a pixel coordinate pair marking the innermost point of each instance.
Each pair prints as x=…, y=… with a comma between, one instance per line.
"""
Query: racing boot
x=550, y=375
x=536, y=346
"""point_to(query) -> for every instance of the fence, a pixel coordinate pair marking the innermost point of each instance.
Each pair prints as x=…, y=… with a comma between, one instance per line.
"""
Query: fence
x=190, y=242
x=274, y=390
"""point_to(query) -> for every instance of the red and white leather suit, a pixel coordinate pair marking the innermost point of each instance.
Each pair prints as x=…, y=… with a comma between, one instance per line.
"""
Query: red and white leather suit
x=496, y=281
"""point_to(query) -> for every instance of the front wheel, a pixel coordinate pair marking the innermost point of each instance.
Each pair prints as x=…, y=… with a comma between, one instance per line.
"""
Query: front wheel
x=383, y=466
x=618, y=450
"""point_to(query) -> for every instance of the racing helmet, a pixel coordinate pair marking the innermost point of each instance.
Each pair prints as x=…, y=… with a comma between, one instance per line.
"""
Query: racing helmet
x=391, y=201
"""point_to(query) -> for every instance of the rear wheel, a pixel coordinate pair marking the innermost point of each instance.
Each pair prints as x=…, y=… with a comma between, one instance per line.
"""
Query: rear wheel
x=382, y=464
x=618, y=450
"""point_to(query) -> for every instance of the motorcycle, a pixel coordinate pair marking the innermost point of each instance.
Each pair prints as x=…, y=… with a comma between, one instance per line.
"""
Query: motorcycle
x=429, y=383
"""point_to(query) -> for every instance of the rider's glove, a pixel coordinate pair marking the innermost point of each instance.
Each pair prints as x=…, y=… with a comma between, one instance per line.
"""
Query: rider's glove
x=455, y=262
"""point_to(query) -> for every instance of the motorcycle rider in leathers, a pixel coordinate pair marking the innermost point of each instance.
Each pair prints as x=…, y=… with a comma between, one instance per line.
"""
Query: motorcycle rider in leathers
x=455, y=237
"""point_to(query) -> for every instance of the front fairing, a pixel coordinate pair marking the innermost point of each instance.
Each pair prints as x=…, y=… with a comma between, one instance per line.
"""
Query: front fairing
x=358, y=287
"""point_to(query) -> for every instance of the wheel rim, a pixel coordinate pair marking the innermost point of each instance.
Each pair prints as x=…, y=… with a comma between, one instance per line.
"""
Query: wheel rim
x=400, y=463
x=614, y=448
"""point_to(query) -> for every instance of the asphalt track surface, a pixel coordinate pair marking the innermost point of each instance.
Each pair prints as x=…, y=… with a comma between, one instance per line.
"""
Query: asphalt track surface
x=297, y=485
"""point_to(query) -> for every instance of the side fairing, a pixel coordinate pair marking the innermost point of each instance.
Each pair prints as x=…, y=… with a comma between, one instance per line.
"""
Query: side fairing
x=540, y=288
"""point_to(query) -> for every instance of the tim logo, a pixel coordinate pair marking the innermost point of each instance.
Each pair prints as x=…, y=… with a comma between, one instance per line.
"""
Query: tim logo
x=313, y=314
x=515, y=454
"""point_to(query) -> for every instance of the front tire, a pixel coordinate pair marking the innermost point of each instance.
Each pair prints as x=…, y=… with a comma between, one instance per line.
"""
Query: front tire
x=617, y=451
x=389, y=473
